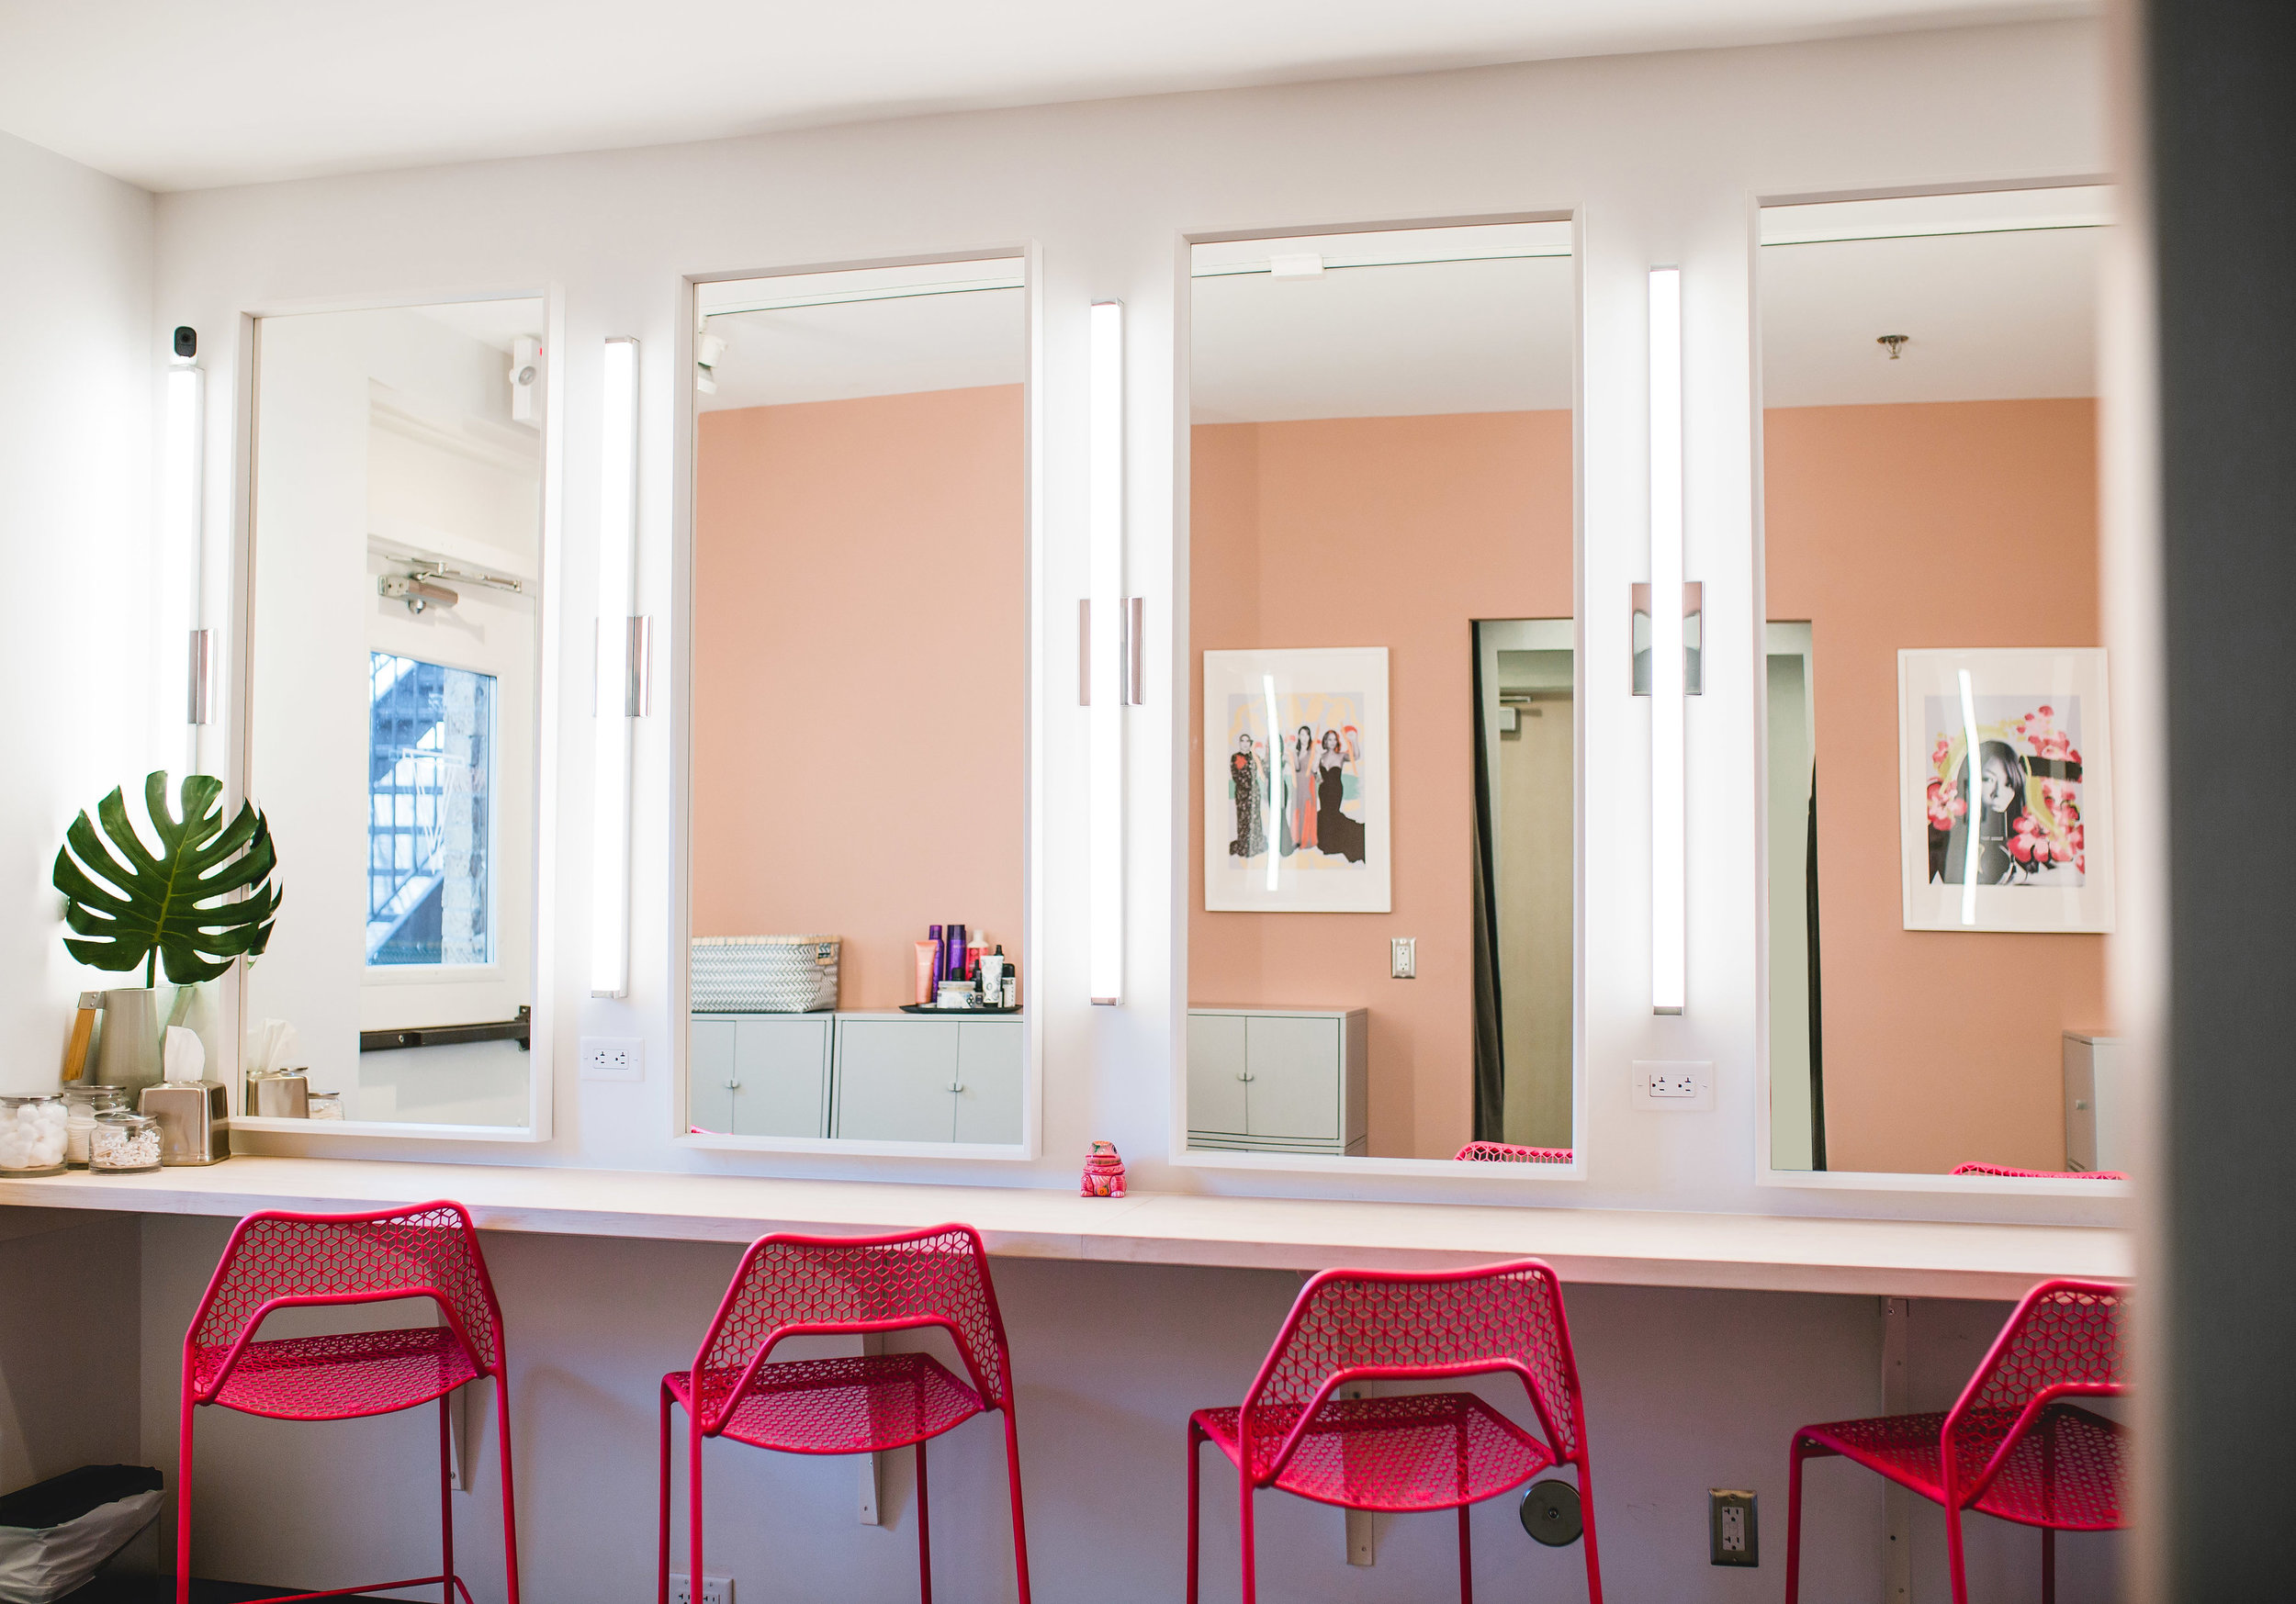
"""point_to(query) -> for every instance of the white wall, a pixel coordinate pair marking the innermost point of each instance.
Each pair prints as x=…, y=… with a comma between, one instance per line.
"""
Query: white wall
x=1661, y=156
x=78, y=388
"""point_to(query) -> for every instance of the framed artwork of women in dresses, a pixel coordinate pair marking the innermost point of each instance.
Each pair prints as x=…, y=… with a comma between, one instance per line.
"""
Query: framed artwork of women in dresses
x=2017, y=836
x=1296, y=781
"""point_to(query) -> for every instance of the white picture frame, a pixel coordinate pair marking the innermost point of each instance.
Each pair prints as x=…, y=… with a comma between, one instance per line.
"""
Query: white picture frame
x=1334, y=793
x=2041, y=719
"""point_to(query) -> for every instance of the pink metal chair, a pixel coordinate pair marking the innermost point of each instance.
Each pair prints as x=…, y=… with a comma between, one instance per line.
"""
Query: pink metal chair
x=1423, y=1450
x=302, y=1260
x=2012, y=1447
x=1507, y=1153
x=2039, y=1174
x=792, y=1286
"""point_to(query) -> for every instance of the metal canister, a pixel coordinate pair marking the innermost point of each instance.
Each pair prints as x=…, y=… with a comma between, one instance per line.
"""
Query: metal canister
x=194, y=1118
x=284, y=1095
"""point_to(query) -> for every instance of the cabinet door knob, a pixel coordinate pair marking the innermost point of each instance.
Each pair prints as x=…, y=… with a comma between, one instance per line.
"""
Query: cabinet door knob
x=956, y=1086
x=733, y=1085
x=1244, y=1077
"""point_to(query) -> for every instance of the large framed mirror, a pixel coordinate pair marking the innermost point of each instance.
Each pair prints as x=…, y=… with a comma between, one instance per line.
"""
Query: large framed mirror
x=1382, y=915
x=396, y=582
x=1939, y=819
x=858, y=973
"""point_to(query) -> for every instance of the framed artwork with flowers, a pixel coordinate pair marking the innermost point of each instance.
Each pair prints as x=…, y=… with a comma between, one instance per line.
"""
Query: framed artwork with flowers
x=2005, y=761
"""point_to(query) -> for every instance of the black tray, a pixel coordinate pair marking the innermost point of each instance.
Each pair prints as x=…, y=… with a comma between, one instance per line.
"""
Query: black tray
x=959, y=1013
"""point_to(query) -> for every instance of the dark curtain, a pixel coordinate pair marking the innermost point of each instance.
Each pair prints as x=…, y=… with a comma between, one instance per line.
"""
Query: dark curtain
x=1490, y=1065
x=1817, y=1010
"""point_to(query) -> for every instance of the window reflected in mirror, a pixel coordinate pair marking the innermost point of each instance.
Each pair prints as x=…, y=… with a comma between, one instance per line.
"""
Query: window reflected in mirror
x=860, y=708
x=1940, y=774
x=394, y=594
x=1381, y=928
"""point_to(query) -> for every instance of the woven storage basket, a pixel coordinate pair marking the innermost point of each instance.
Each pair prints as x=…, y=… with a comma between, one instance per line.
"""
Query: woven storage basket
x=764, y=974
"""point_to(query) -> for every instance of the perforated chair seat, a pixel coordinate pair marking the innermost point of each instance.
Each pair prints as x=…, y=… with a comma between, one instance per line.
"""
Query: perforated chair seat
x=837, y=1405
x=2069, y=1472
x=1426, y=1451
x=341, y=1377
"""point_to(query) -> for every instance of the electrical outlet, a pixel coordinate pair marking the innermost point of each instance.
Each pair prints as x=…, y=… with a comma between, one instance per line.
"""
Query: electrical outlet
x=1402, y=957
x=1735, y=1538
x=613, y=1058
x=715, y=1590
x=1673, y=1087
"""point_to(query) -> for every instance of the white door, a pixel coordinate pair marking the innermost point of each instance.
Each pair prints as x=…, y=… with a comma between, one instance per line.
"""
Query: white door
x=1215, y=1074
x=893, y=1079
x=988, y=1080
x=1294, y=1089
x=783, y=1063
x=709, y=1074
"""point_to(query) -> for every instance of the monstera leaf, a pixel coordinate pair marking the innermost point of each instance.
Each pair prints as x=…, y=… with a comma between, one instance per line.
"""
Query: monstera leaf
x=175, y=906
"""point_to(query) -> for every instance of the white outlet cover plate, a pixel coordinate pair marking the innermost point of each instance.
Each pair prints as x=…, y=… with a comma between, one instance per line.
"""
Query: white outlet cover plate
x=613, y=1058
x=1672, y=1087
x=1402, y=957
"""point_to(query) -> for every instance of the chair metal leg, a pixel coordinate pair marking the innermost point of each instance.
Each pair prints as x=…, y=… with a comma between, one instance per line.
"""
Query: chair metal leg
x=1953, y=1556
x=661, y=1567
x=1012, y=1489
x=2048, y=1565
x=446, y=1498
x=693, y=1496
x=1586, y=1519
x=510, y=1505
x=924, y=1531
x=1793, y=1527
x=1195, y=1441
x=182, y=1496
x=1244, y=1537
x=1467, y=1559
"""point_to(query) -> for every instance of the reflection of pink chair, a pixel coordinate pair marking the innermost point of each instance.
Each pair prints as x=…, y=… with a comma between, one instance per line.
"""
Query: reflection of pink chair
x=1506, y=1153
x=300, y=1260
x=791, y=1286
x=2039, y=1174
x=2011, y=1448
x=1421, y=1450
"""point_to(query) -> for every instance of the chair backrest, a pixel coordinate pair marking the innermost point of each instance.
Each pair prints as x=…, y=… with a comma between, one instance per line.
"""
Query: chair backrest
x=1446, y=1322
x=273, y=1259
x=790, y=1286
x=1507, y=1153
x=2039, y=1174
x=2064, y=1339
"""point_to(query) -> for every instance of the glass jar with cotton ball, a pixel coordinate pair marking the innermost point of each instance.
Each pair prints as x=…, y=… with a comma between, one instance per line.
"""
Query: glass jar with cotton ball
x=32, y=1137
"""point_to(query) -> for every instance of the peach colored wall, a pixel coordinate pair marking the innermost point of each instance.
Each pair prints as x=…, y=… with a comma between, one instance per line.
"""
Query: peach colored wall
x=860, y=677
x=1947, y=524
x=1368, y=531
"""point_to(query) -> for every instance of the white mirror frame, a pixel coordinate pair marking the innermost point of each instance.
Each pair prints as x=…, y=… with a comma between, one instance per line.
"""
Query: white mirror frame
x=1537, y=1177
x=1902, y=1182
x=680, y=709
x=550, y=702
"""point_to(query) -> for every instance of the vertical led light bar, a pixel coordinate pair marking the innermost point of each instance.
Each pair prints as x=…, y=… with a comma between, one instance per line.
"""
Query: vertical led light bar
x=1105, y=422
x=182, y=639
x=616, y=701
x=1667, y=802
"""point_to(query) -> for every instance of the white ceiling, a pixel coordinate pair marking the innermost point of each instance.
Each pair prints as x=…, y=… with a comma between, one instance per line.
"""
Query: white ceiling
x=873, y=331
x=1417, y=334
x=175, y=95
x=2006, y=313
